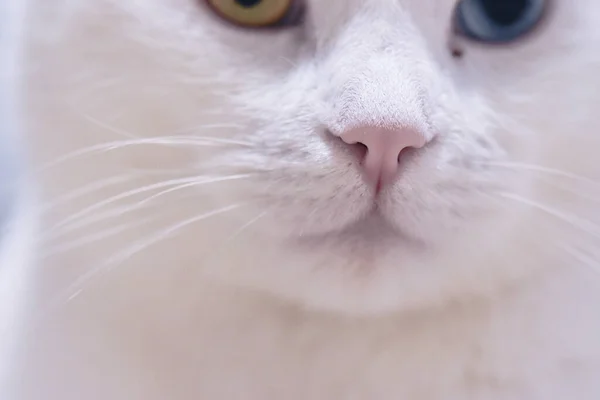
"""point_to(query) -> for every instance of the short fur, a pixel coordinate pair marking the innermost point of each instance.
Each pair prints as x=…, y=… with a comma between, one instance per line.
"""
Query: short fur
x=214, y=239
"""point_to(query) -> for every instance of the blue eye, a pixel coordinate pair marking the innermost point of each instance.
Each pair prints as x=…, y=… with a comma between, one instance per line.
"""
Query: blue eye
x=497, y=21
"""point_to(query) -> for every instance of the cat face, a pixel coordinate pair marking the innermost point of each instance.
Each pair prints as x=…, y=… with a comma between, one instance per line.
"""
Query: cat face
x=469, y=207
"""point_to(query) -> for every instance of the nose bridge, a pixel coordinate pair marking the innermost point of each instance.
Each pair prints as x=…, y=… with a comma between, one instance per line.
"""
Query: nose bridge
x=383, y=89
x=379, y=73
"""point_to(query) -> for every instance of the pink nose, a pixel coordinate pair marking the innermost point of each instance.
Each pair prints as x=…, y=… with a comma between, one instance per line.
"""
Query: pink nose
x=384, y=145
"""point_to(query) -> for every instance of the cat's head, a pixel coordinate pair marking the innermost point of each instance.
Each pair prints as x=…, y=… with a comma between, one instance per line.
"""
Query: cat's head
x=358, y=155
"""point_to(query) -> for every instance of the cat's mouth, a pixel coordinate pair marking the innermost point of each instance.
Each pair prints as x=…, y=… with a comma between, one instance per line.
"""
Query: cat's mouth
x=372, y=230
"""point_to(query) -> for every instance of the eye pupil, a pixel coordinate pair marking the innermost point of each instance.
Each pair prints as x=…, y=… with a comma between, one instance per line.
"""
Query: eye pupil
x=248, y=3
x=505, y=13
x=497, y=21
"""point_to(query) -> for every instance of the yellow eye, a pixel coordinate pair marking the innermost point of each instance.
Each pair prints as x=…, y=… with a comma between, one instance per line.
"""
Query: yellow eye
x=254, y=13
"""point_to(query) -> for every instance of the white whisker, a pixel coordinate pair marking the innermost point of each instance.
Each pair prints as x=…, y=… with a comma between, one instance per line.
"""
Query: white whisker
x=87, y=189
x=112, y=262
x=122, y=196
x=64, y=226
x=542, y=169
x=210, y=139
x=582, y=258
x=246, y=226
x=571, y=220
x=96, y=237
x=161, y=141
x=577, y=190
x=100, y=217
x=209, y=126
x=164, y=234
x=110, y=128
x=224, y=245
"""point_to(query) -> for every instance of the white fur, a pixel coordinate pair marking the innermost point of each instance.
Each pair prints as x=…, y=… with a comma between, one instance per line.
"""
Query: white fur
x=491, y=293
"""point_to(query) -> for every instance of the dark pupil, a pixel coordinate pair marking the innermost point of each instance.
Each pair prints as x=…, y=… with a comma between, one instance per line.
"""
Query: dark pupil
x=505, y=12
x=248, y=3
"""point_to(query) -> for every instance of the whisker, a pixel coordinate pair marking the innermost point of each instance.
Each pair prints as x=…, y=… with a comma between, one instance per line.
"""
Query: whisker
x=582, y=257
x=246, y=226
x=96, y=237
x=222, y=140
x=213, y=256
x=77, y=287
x=108, y=127
x=162, y=141
x=87, y=189
x=183, y=183
x=566, y=218
x=548, y=176
x=122, y=196
x=85, y=222
x=209, y=126
x=541, y=169
x=164, y=234
x=573, y=190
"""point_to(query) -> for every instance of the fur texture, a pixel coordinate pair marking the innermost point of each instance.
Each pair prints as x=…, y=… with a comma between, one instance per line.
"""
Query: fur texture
x=205, y=235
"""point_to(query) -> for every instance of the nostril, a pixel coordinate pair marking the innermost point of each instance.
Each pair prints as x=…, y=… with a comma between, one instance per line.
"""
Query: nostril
x=359, y=150
x=405, y=152
x=379, y=149
x=363, y=147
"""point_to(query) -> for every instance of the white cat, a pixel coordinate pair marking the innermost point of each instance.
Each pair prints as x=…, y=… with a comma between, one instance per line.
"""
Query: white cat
x=304, y=199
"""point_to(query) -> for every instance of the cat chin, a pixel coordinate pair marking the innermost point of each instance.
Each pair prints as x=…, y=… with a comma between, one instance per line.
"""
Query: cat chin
x=344, y=273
